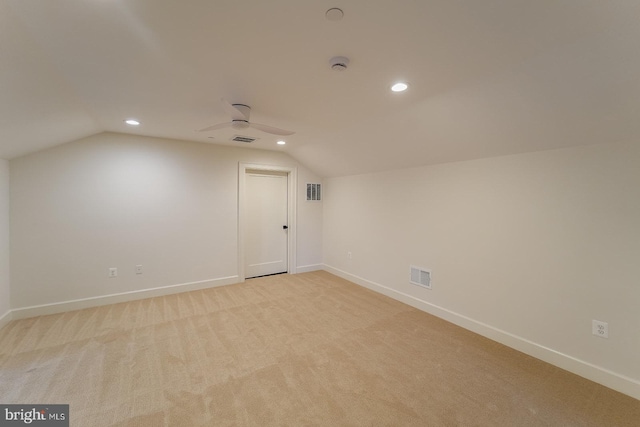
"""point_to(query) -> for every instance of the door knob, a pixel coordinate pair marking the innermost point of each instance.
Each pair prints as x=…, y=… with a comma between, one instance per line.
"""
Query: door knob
x=285, y=227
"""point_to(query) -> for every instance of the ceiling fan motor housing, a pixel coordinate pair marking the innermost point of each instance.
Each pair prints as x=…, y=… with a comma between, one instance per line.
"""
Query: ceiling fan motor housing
x=244, y=109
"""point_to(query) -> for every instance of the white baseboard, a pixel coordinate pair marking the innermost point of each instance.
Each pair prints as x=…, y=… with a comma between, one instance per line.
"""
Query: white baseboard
x=607, y=378
x=6, y=318
x=308, y=268
x=78, y=304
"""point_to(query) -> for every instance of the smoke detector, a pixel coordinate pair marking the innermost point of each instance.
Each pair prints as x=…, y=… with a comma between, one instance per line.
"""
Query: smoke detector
x=339, y=63
x=334, y=14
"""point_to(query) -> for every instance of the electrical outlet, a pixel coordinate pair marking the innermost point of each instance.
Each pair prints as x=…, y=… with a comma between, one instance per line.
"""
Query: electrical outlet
x=113, y=272
x=139, y=269
x=600, y=329
x=349, y=255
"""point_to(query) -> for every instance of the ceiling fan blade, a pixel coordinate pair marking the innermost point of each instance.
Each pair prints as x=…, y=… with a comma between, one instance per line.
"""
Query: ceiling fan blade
x=214, y=127
x=270, y=129
x=235, y=113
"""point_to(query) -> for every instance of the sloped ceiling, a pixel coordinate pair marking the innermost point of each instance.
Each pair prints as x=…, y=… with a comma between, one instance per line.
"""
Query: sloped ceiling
x=487, y=78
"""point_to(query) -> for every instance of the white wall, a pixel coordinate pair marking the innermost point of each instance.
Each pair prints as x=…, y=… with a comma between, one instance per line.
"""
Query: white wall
x=526, y=249
x=116, y=200
x=4, y=243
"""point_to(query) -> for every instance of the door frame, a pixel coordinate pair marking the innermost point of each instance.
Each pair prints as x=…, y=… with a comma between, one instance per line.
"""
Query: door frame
x=292, y=180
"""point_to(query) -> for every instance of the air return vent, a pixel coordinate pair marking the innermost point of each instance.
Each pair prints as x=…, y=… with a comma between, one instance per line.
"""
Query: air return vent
x=314, y=192
x=421, y=277
x=240, y=138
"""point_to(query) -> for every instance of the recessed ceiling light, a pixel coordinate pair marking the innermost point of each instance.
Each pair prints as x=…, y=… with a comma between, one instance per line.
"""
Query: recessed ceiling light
x=132, y=122
x=280, y=142
x=399, y=87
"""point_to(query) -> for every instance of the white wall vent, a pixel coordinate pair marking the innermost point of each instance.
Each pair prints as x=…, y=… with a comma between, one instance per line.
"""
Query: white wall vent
x=420, y=276
x=314, y=191
x=240, y=138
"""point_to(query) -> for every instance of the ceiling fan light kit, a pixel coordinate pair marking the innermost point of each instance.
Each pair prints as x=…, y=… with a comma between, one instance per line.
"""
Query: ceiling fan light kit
x=239, y=124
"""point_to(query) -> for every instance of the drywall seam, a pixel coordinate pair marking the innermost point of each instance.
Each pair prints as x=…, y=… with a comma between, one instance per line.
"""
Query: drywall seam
x=78, y=304
x=605, y=377
x=309, y=268
x=6, y=318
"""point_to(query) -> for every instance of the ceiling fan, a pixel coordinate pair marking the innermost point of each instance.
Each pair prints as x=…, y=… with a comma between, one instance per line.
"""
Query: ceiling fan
x=240, y=120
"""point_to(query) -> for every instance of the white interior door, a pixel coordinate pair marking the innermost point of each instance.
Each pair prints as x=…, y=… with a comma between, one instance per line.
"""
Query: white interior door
x=266, y=223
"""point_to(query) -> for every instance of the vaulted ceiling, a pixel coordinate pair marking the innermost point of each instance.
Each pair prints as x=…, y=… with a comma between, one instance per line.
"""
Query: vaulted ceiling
x=487, y=78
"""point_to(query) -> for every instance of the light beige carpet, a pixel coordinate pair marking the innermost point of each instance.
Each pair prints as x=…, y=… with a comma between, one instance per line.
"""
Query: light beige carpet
x=309, y=349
